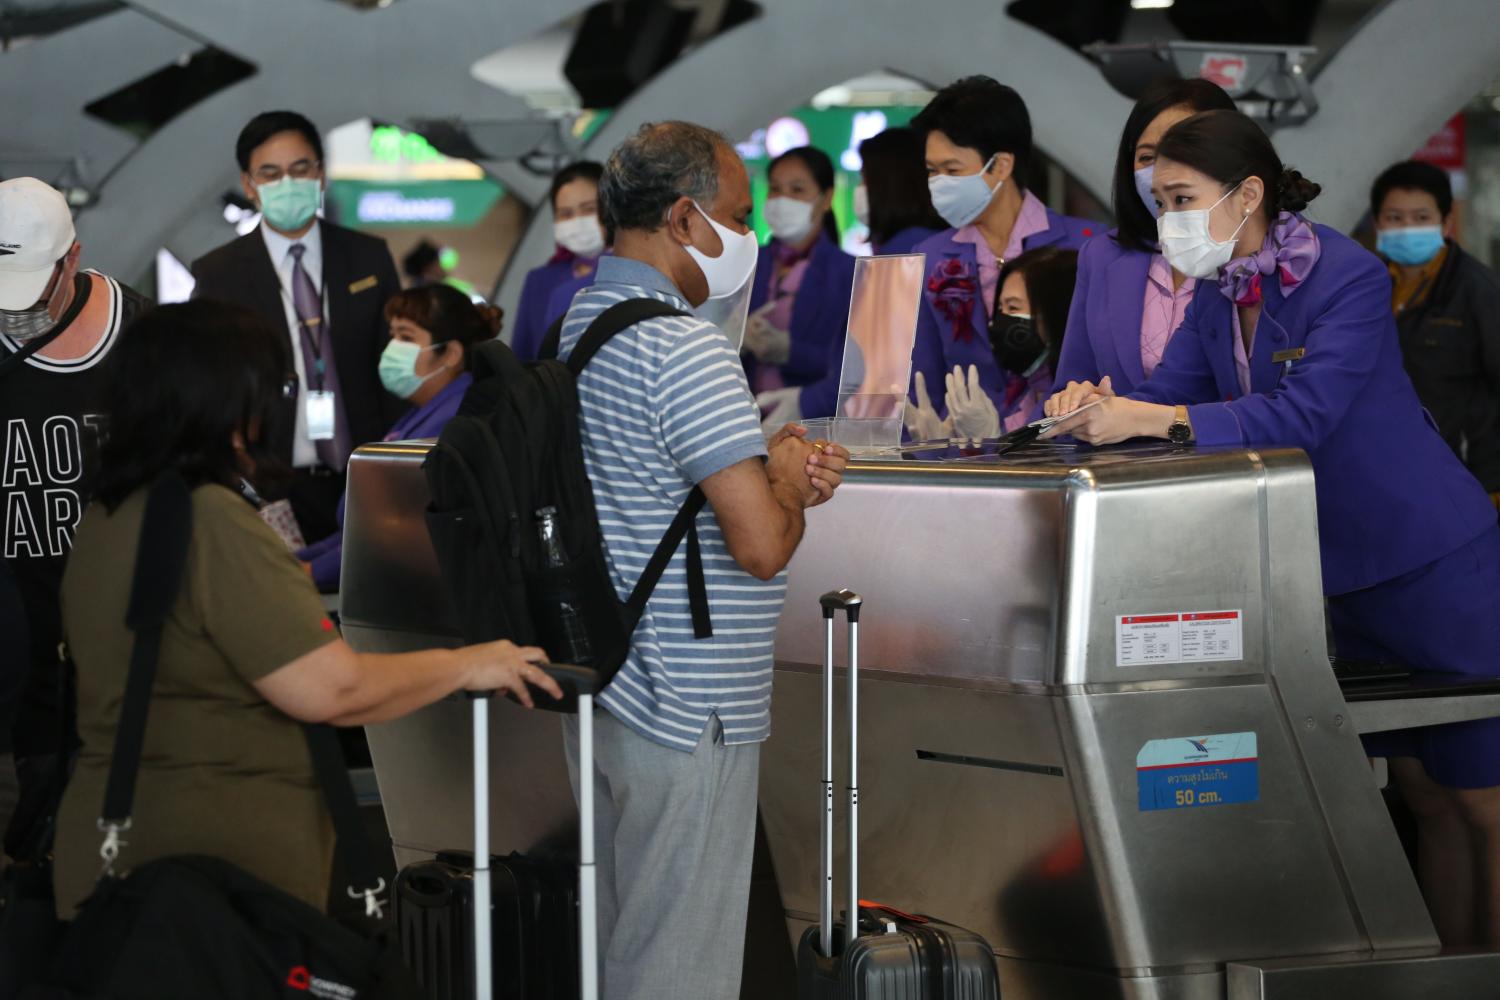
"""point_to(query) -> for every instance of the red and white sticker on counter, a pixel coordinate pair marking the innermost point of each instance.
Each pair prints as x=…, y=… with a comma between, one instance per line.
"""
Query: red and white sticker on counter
x=1179, y=637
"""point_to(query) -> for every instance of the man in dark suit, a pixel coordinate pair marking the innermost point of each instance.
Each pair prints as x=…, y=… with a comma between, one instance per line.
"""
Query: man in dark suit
x=327, y=286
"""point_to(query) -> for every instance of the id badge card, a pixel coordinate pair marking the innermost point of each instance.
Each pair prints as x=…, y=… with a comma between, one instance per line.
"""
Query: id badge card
x=319, y=415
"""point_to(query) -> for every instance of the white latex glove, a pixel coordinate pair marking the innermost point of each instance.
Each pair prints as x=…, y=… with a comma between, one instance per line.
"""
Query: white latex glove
x=922, y=420
x=974, y=416
x=767, y=342
x=780, y=406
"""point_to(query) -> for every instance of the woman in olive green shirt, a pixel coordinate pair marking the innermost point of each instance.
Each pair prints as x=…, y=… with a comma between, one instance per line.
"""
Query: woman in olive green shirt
x=247, y=653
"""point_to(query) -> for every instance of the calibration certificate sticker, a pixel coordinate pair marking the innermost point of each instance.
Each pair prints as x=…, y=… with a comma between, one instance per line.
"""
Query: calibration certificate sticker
x=1193, y=771
x=1178, y=637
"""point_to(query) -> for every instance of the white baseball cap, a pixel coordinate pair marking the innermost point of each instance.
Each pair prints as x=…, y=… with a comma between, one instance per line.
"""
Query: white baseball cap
x=36, y=231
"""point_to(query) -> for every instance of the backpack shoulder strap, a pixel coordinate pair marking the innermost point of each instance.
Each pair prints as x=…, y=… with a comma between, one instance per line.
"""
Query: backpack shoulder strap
x=620, y=316
x=547, y=350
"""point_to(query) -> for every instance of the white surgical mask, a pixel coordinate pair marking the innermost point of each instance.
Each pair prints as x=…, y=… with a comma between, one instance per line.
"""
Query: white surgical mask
x=961, y=200
x=789, y=218
x=581, y=235
x=1143, y=179
x=728, y=272
x=862, y=205
x=1187, y=244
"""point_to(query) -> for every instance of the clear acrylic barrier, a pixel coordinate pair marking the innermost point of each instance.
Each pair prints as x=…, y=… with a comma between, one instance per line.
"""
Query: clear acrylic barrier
x=877, y=353
x=730, y=312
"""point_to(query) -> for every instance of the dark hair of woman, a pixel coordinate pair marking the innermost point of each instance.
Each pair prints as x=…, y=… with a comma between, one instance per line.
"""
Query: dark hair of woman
x=821, y=167
x=896, y=183
x=984, y=115
x=1049, y=274
x=1230, y=148
x=184, y=380
x=1136, y=225
x=583, y=170
x=446, y=313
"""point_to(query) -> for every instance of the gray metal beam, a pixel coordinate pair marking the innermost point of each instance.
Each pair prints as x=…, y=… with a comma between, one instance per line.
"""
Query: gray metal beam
x=1406, y=69
x=741, y=79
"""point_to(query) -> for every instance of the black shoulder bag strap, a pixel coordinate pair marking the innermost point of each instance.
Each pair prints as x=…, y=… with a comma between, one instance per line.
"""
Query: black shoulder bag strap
x=619, y=317
x=547, y=349
x=161, y=556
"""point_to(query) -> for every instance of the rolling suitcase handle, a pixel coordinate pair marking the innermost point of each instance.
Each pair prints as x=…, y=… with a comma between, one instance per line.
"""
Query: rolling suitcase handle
x=833, y=602
x=579, y=681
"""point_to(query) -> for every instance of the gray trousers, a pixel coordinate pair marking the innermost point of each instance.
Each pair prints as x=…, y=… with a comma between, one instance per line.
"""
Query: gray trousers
x=675, y=833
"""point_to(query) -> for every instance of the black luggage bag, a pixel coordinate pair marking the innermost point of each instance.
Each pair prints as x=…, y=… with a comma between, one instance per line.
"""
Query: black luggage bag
x=534, y=930
x=895, y=956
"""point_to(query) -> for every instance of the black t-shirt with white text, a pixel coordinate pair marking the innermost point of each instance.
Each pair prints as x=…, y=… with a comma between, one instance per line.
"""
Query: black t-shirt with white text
x=51, y=422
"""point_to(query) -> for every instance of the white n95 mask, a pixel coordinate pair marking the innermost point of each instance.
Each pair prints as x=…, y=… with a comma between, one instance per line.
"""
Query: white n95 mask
x=1187, y=244
x=581, y=235
x=728, y=272
x=790, y=220
x=961, y=200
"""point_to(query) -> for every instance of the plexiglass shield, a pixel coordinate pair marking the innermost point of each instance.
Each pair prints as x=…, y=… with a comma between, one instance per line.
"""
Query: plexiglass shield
x=877, y=353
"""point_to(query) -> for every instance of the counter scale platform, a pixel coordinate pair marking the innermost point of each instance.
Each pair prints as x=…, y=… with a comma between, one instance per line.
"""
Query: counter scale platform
x=1098, y=722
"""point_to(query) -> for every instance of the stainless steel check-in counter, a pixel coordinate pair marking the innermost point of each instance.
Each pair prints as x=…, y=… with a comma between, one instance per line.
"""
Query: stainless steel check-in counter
x=1098, y=723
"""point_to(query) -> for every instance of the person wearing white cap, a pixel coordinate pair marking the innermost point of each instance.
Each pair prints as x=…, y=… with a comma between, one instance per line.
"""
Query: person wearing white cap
x=57, y=326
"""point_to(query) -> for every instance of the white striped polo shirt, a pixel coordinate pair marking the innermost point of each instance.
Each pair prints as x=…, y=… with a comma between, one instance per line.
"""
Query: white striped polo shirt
x=665, y=405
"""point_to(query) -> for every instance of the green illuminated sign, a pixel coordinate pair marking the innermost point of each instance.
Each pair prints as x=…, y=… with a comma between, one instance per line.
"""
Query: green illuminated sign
x=389, y=144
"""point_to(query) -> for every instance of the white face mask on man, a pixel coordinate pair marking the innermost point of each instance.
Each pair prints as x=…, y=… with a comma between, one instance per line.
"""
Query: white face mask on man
x=1188, y=244
x=728, y=272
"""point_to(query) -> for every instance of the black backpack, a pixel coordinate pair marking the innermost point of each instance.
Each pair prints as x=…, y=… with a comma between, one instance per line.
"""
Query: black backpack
x=513, y=449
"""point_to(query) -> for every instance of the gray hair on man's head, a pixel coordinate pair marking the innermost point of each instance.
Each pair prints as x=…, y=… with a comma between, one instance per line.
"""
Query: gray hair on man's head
x=649, y=171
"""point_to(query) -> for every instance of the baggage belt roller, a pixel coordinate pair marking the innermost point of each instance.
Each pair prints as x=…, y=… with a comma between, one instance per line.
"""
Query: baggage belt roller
x=1100, y=726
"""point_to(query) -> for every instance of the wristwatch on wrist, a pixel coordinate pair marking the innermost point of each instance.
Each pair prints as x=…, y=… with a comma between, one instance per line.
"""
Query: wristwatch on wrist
x=1181, y=431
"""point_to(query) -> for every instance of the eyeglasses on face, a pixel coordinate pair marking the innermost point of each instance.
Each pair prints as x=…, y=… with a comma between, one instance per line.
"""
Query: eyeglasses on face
x=270, y=173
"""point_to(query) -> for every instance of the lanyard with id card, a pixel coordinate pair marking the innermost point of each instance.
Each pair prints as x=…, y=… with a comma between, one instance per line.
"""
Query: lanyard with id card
x=318, y=409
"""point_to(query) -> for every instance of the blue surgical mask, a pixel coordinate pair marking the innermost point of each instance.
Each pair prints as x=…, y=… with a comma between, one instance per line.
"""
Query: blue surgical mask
x=398, y=368
x=1410, y=246
x=961, y=200
x=1143, y=178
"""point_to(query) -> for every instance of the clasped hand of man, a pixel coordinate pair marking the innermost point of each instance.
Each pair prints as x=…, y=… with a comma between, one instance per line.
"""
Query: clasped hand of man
x=814, y=468
x=1115, y=419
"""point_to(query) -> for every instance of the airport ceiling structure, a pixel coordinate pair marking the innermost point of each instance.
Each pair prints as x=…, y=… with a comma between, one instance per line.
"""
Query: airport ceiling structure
x=133, y=106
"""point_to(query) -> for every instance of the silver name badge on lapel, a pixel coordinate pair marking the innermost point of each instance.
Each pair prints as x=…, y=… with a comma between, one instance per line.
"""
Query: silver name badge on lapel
x=319, y=414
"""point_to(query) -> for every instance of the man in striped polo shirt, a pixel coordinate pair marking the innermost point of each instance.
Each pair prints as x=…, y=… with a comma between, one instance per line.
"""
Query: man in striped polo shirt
x=665, y=406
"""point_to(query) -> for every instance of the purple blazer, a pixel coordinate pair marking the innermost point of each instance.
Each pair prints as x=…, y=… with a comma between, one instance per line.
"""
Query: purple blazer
x=1103, y=335
x=1392, y=496
x=427, y=420
x=819, y=398
x=820, y=314
x=939, y=348
x=533, y=313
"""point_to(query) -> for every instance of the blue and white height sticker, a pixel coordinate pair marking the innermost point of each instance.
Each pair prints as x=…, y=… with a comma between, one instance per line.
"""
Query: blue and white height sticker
x=1191, y=771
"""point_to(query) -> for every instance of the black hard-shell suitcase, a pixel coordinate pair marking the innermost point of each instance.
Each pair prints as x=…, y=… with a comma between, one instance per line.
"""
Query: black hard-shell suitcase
x=518, y=928
x=534, y=930
x=895, y=956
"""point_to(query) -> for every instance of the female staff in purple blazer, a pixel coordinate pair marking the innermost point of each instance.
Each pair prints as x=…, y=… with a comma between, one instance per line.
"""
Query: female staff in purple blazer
x=1129, y=301
x=1290, y=341
x=892, y=200
x=433, y=328
x=800, y=302
x=580, y=240
x=978, y=141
